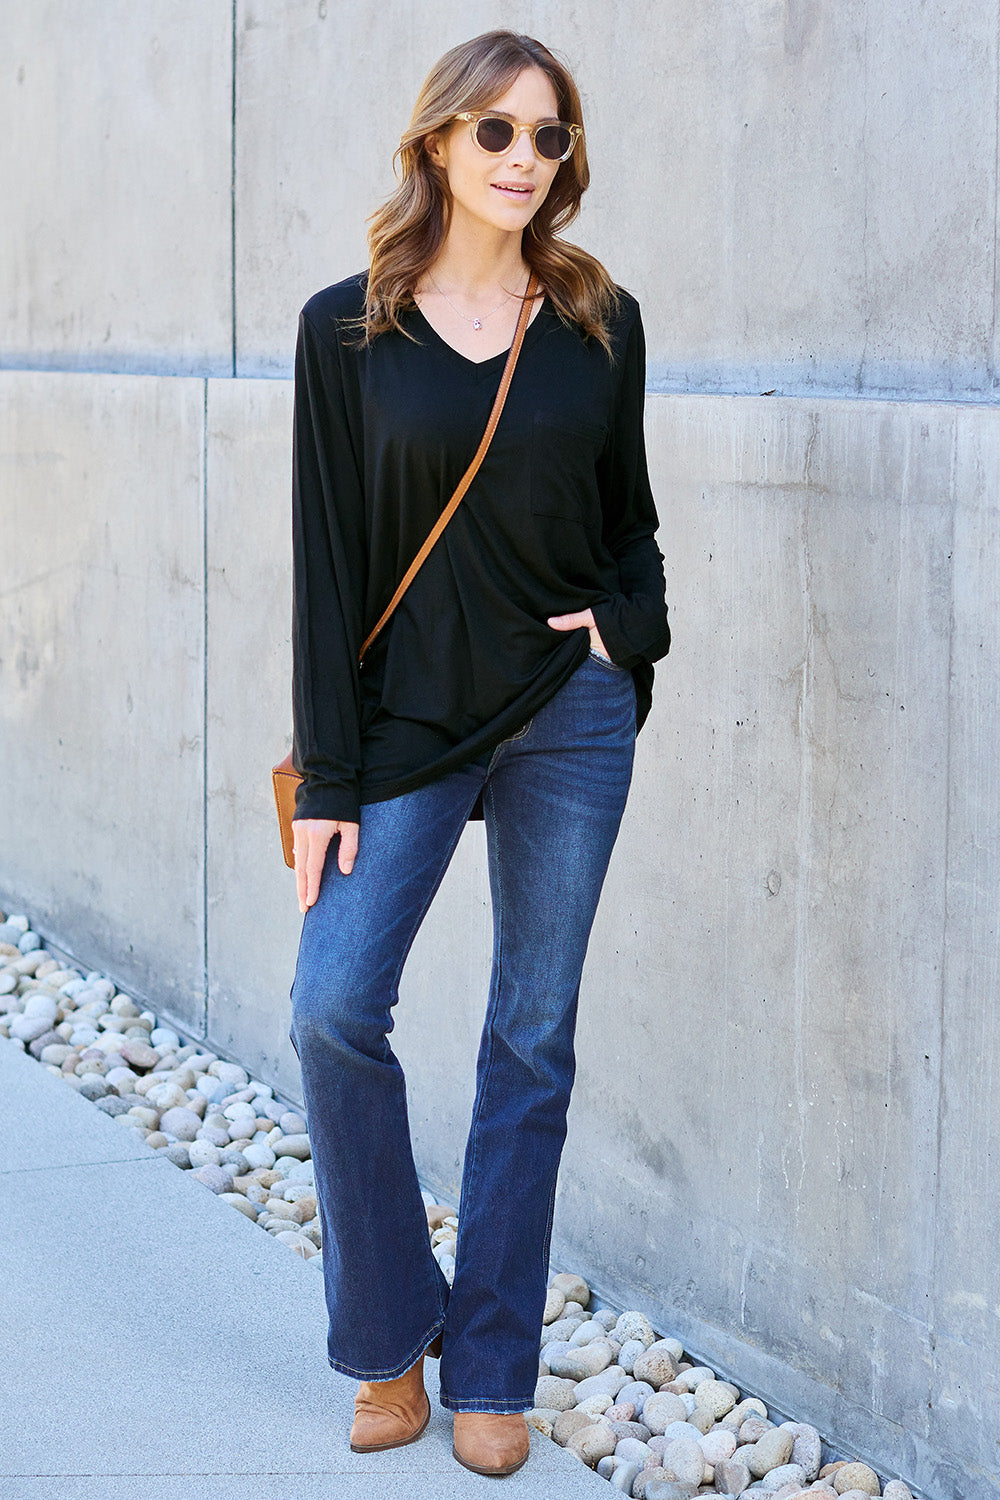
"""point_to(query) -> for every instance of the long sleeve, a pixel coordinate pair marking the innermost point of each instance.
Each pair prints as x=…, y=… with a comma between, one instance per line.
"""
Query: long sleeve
x=328, y=580
x=633, y=622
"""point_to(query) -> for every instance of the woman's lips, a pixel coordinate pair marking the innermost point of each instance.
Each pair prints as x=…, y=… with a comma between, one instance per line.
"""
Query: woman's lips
x=516, y=195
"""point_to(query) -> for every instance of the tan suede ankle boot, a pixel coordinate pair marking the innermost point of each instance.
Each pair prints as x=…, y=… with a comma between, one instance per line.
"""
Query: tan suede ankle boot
x=491, y=1442
x=392, y=1413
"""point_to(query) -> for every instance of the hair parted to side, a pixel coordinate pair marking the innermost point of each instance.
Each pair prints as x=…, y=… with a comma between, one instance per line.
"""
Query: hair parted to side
x=406, y=234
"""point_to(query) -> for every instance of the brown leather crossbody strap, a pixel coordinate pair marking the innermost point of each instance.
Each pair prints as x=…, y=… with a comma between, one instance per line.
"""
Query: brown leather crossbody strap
x=470, y=473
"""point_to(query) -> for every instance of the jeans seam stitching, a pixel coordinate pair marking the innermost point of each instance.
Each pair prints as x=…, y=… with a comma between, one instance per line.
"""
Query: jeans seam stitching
x=396, y=1370
x=519, y=735
x=490, y=811
x=395, y=989
x=492, y=1400
x=546, y=1238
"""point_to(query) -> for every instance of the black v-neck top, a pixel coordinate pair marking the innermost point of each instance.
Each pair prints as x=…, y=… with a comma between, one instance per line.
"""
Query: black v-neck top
x=559, y=518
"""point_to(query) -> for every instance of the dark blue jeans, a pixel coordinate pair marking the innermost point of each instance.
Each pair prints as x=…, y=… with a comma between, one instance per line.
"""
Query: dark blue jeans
x=553, y=798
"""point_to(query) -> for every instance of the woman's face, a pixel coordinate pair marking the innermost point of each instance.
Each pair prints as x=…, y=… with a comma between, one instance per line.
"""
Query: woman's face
x=503, y=191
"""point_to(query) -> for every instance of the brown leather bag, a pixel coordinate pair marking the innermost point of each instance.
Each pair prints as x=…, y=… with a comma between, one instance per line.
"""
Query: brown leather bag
x=284, y=776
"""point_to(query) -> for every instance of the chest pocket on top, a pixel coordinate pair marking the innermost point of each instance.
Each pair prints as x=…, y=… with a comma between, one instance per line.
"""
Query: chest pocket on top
x=564, y=452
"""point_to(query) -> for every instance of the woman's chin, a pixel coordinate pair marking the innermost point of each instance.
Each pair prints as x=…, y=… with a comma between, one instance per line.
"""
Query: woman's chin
x=498, y=214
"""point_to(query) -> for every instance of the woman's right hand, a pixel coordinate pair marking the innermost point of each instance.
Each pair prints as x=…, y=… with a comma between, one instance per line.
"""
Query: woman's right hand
x=310, y=839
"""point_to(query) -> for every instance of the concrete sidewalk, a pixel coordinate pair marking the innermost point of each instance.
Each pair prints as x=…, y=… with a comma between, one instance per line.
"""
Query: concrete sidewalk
x=154, y=1342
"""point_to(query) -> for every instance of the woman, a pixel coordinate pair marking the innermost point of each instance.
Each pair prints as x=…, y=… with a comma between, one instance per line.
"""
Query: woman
x=509, y=685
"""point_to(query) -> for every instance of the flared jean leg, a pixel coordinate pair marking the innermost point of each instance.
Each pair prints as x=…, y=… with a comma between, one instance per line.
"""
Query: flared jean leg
x=553, y=800
x=386, y=1295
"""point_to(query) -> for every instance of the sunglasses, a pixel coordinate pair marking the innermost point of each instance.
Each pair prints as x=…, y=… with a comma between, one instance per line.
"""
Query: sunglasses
x=552, y=140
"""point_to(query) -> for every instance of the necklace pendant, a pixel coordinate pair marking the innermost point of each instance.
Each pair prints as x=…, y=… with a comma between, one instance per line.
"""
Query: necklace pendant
x=477, y=323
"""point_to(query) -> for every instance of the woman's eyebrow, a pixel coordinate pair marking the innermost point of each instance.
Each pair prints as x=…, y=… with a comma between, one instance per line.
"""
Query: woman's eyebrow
x=506, y=115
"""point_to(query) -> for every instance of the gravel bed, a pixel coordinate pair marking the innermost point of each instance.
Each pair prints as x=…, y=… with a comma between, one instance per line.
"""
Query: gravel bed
x=622, y=1399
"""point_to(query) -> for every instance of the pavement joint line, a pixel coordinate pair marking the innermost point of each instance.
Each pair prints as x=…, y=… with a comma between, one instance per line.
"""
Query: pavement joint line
x=229, y=1473
x=68, y=1166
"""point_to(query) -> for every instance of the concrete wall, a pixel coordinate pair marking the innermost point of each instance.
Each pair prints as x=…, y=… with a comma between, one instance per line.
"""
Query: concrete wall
x=101, y=669
x=781, y=1134
x=115, y=159
x=803, y=195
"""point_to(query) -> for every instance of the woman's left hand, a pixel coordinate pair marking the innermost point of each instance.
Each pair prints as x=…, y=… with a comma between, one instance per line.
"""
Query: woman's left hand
x=574, y=622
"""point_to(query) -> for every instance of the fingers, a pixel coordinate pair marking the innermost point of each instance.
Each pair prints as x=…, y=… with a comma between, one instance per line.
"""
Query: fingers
x=348, y=851
x=311, y=839
x=300, y=846
x=582, y=617
x=315, y=859
x=311, y=836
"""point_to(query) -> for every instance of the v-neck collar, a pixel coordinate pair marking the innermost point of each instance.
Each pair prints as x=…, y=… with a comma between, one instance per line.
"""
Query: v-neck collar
x=482, y=365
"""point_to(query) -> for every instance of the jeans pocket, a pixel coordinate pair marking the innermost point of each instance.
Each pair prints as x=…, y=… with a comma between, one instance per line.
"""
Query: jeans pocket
x=605, y=661
x=518, y=733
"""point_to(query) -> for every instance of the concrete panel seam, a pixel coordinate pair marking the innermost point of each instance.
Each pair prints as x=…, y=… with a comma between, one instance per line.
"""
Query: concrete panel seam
x=204, y=708
x=656, y=387
x=993, y=363
x=660, y=381
x=945, y=965
x=232, y=179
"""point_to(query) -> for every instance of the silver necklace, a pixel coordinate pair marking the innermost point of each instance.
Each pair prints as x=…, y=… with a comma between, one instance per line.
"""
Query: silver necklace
x=477, y=323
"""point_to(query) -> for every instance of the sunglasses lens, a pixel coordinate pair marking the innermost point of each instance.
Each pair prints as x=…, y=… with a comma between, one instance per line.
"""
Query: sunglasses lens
x=553, y=141
x=494, y=134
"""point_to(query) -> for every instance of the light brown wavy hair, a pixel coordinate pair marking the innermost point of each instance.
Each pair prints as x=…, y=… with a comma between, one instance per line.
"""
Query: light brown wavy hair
x=406, y=234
